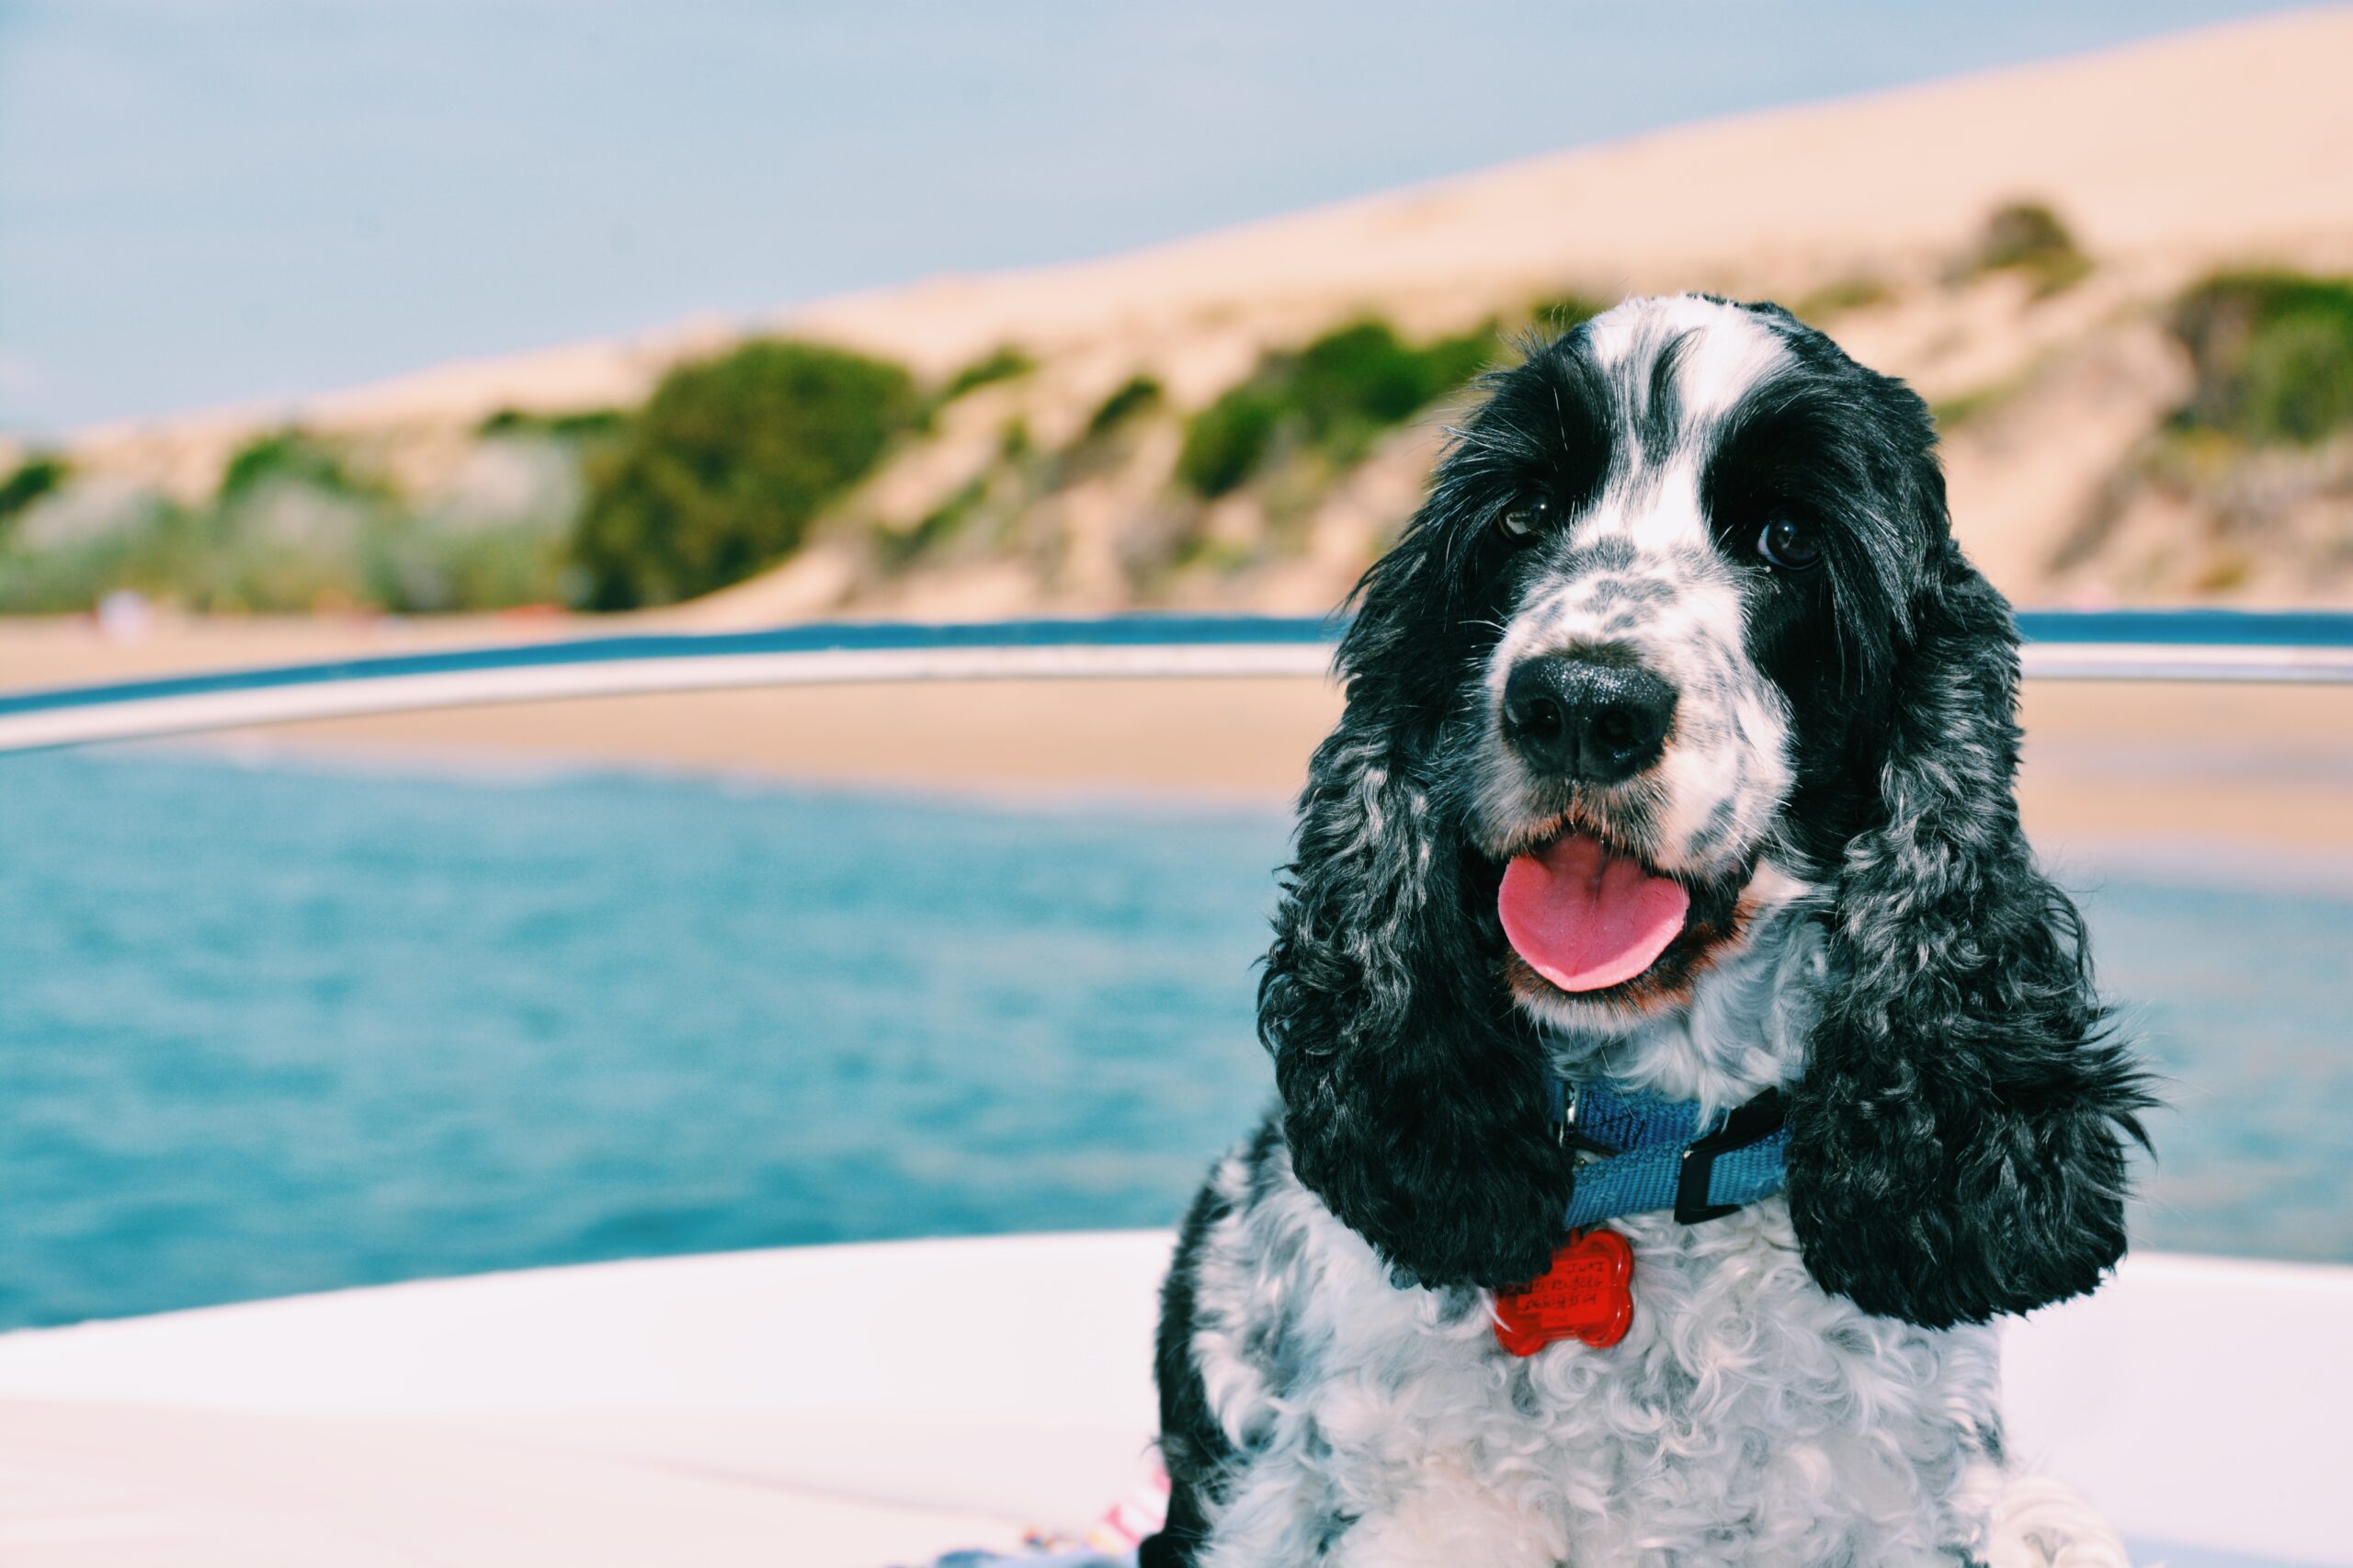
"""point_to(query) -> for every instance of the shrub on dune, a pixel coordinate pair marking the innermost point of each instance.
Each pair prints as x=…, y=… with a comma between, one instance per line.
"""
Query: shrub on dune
x=291, y=457
x=579, y=425
x=1136, y=396
x=1002, y=364
x=721, y=473
x=2030, y=239
x=35, y=477
x=1333, y=397
x=2273, y=356
x=1225, y=442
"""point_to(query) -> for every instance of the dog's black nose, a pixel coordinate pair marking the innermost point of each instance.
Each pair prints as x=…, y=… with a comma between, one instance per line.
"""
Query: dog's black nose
x=1593, y=717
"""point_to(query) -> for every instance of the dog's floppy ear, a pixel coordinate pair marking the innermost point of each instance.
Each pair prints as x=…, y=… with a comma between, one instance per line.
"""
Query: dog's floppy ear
x=1414, y=1097
x=1414, y=1105
x=1957, y=1142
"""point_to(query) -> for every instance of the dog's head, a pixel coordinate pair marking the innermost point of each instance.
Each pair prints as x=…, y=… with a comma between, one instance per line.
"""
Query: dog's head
x=1679, y=643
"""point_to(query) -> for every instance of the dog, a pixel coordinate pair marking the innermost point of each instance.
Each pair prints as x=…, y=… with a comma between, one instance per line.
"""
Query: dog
x=1674, y=790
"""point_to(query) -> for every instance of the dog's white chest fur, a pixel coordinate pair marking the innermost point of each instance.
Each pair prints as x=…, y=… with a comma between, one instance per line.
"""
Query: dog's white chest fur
x=1747, y=1417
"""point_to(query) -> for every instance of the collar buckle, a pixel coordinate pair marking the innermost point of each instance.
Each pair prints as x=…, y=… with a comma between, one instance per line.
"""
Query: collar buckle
x=1748, y=1124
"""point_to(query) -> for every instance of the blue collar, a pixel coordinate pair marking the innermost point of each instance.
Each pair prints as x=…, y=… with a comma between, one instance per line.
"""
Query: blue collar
x=1656, y=1156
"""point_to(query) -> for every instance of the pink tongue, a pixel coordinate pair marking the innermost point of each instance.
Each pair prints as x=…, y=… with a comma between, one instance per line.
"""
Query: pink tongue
x=1584, y=918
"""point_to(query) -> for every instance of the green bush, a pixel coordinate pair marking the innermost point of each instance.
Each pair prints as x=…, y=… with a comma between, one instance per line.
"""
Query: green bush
x=1362, y=376
x=294, y=548
x=34, y=478
x=1453, y=363
x=1000, y=364
x=1334, y=396
x=579, y=425
x=78, y=551
x=67, y=581
x=425, y=566
x=2020, y=233
x=290, y=528
x=1359, y=372
x=717, y=476
x=1225, y=442
x=2272, y=352
x=896, y=550
x=205, y=557
x=2299, y=377
x=291, y=456
x=299, y=549
x=2028, y=237
x=1133, y=397
x=723, y=471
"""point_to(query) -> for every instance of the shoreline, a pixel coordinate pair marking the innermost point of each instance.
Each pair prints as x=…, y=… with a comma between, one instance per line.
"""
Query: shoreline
x=2264, y=767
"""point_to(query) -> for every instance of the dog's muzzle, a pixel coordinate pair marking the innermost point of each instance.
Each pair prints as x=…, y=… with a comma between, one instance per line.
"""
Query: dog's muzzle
x=1593, y=716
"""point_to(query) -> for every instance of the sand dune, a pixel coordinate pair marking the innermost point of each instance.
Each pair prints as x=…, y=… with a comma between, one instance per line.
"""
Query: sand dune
x=2220, y=144
x=2167, y=159
x=2209, y=145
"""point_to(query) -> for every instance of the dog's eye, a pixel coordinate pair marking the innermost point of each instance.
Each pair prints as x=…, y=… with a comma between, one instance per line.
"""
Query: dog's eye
x=1790, y=544
x=1526, y=519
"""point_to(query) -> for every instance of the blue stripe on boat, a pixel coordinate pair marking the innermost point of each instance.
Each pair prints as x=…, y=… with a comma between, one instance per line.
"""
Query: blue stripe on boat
x=2192, y=628
x=826, y=637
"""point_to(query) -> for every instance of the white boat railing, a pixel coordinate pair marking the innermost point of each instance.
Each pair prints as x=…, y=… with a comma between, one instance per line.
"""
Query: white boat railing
x=2116, y=646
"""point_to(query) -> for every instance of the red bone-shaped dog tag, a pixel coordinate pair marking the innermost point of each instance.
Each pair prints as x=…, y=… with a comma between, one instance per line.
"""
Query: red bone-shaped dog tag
x=1588, y=1294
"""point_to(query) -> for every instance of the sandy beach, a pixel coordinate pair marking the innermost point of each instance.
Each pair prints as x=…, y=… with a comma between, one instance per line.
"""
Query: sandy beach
x=2203, y=770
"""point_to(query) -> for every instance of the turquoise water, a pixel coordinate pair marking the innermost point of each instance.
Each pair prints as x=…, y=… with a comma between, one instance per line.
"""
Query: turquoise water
x=267, y=1028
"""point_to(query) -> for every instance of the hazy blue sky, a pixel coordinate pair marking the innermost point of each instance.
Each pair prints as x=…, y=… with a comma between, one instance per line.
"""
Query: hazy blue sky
x=207, y=200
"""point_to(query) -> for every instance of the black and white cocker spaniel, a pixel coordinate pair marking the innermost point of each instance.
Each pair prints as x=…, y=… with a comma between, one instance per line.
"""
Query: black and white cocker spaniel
x=1681, y=1057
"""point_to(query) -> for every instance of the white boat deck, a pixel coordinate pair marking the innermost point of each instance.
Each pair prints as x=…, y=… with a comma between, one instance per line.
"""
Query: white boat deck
x=860, y=1407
